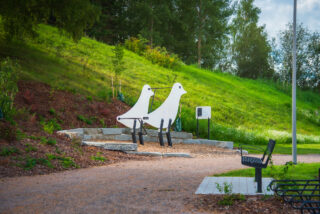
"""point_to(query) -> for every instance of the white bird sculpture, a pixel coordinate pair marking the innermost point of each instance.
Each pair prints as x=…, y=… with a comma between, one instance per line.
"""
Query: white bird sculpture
x=139, y=110
x=168, y=109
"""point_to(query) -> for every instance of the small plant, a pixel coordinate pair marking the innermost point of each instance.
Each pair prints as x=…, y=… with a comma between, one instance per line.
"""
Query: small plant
x=29, y=163
x=84, y=119
x=228, y=198
x=98, y=157
x=30, y=148
x=89, y=98
x=50, y=126
x=51, y=156
x=6, y=151
x=226, y=188
x=67, y=162
x=52, y=111
x=103, y=124
x=51, y=142
x=45, y=162
x=8, y=131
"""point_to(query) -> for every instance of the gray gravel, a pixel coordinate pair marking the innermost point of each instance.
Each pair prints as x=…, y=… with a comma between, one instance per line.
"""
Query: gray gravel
x=157, y=186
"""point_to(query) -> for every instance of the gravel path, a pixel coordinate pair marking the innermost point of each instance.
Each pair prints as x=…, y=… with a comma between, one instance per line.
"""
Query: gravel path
x=156, y=186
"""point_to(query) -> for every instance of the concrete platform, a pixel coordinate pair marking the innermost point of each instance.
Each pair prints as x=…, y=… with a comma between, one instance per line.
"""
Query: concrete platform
x=112, y=145
x=124, y=134
x=240, y=185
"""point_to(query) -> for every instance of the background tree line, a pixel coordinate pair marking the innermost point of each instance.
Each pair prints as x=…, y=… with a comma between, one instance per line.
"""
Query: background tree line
x=214, y=34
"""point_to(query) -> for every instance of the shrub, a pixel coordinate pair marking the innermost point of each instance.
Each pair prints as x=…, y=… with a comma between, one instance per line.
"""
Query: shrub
x=67, y=162
x=98, y=157
x=84, y=119
x=6, y=151
x=52, y=111
x=8, y=131
x=50, y=126
x=161, y=57
x=157, y=55
x=9, y=71
x=51, y=142
x=137, y=45
x=30, y=148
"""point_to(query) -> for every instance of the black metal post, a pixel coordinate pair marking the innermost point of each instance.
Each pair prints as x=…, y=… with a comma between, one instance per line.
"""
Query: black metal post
x=160, y=134
x=169, y=134
x=258, y=177
x=140, y=133
x=134, y=139
x=197, y=128
x=208, y=128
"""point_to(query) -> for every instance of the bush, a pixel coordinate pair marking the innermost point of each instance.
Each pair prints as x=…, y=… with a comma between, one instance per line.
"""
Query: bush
x=6, y=151
x=50, y=126
x=8, y=131
x=161, y=57
x=9, y=71
x=157, y=55
x=51, y=142
x=137, y=45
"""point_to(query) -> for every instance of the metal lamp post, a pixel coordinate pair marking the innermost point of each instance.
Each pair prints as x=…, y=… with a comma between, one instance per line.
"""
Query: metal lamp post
x=294, y=121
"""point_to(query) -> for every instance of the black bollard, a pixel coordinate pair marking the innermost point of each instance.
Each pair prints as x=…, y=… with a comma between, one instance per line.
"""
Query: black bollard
x=160, y=134
x=169, y=134
x=134, y=139
x=140, y=133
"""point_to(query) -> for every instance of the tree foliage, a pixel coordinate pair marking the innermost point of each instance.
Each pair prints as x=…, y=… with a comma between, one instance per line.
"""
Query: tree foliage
x=20, y=18
x=307, y=56
x=192, y=29
x=250, y=48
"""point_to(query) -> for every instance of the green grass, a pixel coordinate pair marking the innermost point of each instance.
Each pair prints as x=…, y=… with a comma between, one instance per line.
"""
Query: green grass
x=243, y=110
x=286, y=149
x=299, y=171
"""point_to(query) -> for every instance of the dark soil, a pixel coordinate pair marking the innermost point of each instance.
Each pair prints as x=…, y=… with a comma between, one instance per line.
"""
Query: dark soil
x=39, y=106
x=251, y=204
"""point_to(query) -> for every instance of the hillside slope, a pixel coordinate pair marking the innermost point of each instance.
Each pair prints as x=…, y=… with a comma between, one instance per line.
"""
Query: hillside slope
x=245, y=111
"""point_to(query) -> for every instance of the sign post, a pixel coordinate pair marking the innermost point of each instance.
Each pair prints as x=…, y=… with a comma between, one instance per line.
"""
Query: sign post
x=203, y=112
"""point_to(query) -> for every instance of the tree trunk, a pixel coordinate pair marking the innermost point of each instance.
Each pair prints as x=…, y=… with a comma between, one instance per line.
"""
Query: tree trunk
x=151, y=25
x=199, y=35
x=199, y=51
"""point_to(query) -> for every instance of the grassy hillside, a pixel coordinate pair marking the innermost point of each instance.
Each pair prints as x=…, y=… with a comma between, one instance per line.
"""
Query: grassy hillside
x=244, y=111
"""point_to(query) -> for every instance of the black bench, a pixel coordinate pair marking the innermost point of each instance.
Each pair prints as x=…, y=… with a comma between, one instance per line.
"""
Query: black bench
x=300, y=194
x=258, y=163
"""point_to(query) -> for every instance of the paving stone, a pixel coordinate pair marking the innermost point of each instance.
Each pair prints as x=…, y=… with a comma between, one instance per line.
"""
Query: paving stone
x=91, y=131
x=123, y=137
x=112, y=146
x=112, y=131
x=240, y=185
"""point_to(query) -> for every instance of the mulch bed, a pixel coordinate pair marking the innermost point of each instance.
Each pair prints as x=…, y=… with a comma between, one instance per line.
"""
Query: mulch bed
x=37, y=103
x=251, y=204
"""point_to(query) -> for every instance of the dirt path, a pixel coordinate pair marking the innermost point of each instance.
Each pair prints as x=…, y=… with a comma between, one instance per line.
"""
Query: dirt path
x=154, y=186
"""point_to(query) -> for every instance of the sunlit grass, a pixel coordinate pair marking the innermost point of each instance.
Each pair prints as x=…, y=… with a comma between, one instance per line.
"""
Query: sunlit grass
x=299, y=171
x=243, y=110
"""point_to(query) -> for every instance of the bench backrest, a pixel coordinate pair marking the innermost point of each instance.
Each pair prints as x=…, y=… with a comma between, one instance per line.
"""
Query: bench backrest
x=269, y=151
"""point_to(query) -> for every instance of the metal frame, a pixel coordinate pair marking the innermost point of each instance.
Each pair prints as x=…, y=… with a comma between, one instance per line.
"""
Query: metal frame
x=300, y=194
